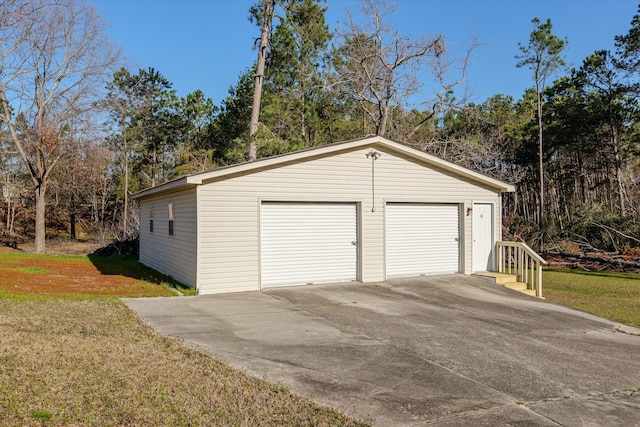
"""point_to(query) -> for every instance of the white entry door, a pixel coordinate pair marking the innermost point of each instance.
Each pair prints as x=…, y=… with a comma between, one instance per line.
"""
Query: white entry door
x=422, y=239
x=304, y=243
x=482, y=237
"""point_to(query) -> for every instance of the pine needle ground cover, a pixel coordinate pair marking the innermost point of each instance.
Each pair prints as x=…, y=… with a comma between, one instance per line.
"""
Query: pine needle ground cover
x=84, y=358
x=612, y=295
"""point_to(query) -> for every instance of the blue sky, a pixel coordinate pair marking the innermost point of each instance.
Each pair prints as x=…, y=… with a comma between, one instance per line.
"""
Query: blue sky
x=206, y=44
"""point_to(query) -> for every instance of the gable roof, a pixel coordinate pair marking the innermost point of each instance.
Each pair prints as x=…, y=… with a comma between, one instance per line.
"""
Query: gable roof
x=280, y=160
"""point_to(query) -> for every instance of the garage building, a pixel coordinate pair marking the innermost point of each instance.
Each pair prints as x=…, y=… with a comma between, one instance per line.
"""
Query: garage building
x=362, y=210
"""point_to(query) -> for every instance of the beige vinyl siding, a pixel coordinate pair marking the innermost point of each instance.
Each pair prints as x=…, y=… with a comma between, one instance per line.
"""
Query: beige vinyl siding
x=176, y=255
x=230, y=209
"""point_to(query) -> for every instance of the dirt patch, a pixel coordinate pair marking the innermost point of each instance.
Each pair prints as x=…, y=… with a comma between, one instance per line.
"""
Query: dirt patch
x=75, y=276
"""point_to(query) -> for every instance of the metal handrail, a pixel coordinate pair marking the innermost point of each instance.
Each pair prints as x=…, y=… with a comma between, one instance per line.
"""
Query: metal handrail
x=519, y=259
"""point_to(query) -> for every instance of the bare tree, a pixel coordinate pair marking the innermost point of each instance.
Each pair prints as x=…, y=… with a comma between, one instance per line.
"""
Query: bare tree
x=382, y=70
x=54, y=59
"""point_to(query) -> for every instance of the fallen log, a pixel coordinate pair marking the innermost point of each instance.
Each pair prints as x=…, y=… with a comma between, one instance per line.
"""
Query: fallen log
x=11, y=241
x=616, y=262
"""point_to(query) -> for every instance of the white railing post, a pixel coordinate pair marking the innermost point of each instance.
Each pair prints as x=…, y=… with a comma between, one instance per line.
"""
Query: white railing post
x=532, y=273
x=539, y=287
x=511, y=253
x=521, y=258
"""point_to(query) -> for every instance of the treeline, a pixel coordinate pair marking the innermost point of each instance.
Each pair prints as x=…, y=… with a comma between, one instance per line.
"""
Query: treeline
x=321, y=87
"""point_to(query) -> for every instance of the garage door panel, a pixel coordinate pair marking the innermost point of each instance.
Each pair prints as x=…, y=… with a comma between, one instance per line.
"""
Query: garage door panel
x=308, y=243
x=422, y=239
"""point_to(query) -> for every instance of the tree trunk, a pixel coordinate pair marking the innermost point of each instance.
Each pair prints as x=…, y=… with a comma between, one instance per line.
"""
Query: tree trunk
x=11, y=215
x=618, y=173
x=126, y=179
x=303, y=100
x=40, y=191
x=154, y=164
x=382, y=125
x=72, y=226
x=583, y=185
x=8, y=218
x=257, y=89
x=540, y=171
x=618, y=170
x=384, y=112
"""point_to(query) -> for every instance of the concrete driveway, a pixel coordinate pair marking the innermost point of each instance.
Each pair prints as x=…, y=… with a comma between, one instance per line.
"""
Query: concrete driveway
x=447, y=350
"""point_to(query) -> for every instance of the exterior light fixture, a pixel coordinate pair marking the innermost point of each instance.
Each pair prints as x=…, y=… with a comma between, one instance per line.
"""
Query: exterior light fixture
x=374, y=155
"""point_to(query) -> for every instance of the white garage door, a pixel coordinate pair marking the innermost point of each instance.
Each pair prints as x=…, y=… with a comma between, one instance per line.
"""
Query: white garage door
x=422, y=239
x=304, y=243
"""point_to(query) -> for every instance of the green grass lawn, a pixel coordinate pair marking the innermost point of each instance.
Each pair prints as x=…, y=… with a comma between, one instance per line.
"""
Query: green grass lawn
x=612, y=295
x=87, y=359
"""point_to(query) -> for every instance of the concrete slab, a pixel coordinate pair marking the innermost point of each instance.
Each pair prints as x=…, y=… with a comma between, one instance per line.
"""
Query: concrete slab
x=448, y=350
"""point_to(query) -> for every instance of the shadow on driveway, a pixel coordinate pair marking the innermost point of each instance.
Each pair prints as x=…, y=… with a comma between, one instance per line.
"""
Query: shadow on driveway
x=445, y=350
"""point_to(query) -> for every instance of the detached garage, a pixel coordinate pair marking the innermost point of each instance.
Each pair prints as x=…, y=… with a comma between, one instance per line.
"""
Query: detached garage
x=362, y=210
